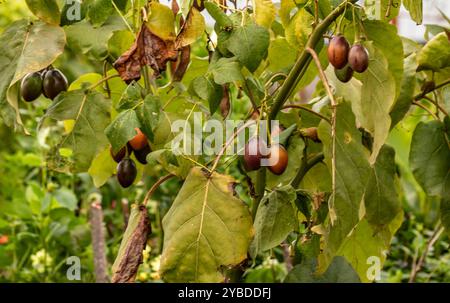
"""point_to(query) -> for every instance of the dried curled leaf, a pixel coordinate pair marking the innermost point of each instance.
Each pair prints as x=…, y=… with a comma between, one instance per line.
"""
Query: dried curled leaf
x=129, y=258
x=148, y=49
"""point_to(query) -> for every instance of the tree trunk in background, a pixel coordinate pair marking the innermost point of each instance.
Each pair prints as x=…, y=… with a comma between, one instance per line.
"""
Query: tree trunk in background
x=98, y=243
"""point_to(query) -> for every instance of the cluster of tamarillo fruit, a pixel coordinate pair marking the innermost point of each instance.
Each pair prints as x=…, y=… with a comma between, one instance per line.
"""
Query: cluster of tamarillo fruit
x=49, y=81
x=346, y=59
x=257, y=149
x=126, y=168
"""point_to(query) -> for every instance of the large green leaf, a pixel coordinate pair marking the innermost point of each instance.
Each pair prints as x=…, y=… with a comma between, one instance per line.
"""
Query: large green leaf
x=46, y=10
x=207, y=227
x=435, y=55
x=102, y=168
x=148, y=113
x=281, y=55
x=415, y=9
x=352, y=173
x=377, y=98
x=339, y=271
x=429, y=157
x=90, y=110
x=381, y=198
x=25, y=48
x=206, y=89
x=275, y=219
x=249, y=44
x=408, y=87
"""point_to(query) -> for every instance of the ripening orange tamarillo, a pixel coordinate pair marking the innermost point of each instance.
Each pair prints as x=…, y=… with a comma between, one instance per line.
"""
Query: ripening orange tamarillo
x=278, y=159
x=139, y=141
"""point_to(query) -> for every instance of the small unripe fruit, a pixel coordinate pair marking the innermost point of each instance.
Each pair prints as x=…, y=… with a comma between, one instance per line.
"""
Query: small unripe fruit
x=338, y=52
x=54, y=83
x=139, y=141
x=345, y=74
x=126, y=172
x=253, y=152
x=358, y=58
x=119, y=155
x=141, y=154
x=278, y=159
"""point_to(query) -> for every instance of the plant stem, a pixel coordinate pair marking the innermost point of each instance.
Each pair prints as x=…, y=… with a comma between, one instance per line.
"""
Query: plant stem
x=423, y=94
x=102, y=81
x=426, y=109
x=155, y=186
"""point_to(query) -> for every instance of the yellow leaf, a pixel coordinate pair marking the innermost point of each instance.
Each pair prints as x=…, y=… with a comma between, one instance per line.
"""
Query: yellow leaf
x=264, y=12
x=192, y=29
x=161, y=21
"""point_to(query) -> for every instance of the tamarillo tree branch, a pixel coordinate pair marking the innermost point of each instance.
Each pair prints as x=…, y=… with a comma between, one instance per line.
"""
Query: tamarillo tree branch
x=294, y=76
x=155, y=187
x=305, y=167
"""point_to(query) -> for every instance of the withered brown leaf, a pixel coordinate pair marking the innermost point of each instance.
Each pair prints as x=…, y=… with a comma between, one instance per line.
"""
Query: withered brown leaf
x=133, y=243
x=148, y=49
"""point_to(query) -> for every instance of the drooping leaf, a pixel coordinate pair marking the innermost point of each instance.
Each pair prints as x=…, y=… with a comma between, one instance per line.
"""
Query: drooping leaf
x=148, y=49
x=275, y=219
x=192, y=30
x=91, y=113
x=25, y=48
x=161, y=21
x=207, y=227
x=415, y=9
x=381, y=197
x=435, y=55
x=299, y=29
x=377, y=98
x=134, y=240
x=403, y=102
x=352, y=173
x=429, y=157
x=46, y=10
x=339, y=271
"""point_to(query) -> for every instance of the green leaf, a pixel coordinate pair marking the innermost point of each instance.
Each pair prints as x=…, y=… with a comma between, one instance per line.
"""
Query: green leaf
x=207, y=227
x=408, y=87
x=226, y=70
x=93, y=41
x=148, y=114
x=102, y=168
x=429, y=157
x=249, y=44
x=415, y=9
x=377, y=98
x=25, y=48
x=435, y=55
x=352, y=173
x=381, y=197
x=122, y=129
x=66, y=198
x=192, y=30
x=366, y=247
x=275, y=219
x=91, y=114
x=161, y=21
x=339, y=271
x=264, y=12
x=299, y=29
x=46, y=10
x=133, y=243
x=281, y=55
x=207, y=89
